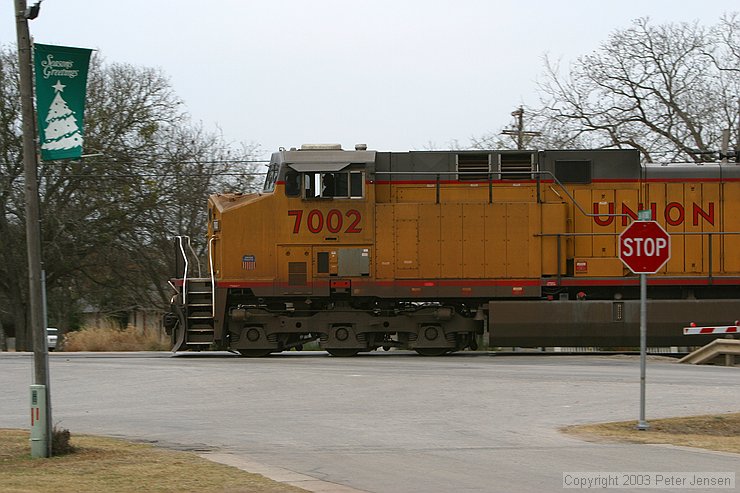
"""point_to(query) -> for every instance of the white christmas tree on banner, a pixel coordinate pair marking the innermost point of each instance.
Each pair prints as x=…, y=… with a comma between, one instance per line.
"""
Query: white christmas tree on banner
x=61, y=130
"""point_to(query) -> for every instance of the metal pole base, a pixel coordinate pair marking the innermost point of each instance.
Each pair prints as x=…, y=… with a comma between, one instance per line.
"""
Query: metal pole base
x=39, y=432
x=642, y=426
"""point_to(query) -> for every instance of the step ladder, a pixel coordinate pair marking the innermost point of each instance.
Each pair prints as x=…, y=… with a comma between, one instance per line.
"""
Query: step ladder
x=199, y=332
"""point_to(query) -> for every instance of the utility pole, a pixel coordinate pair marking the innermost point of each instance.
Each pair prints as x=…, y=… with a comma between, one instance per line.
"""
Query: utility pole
x=518, y=129
x=36, y=323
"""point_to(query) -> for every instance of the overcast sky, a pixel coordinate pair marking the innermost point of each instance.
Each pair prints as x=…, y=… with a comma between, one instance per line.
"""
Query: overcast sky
x=397, y=75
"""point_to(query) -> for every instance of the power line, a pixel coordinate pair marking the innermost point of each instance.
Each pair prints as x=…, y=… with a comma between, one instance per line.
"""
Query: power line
x=155, y=163
x=158, y=175
x=150, y=175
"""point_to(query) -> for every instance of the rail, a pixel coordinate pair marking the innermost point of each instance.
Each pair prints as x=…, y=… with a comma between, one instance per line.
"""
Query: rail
x=490, y=181
x=213, y=275
x=709, y=234
x=180, y=244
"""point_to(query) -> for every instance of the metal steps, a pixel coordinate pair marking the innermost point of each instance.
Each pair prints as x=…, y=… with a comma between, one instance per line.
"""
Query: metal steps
x=198, y=310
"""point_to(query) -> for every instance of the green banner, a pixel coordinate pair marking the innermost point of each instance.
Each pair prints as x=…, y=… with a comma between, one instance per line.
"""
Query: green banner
x=61, y=85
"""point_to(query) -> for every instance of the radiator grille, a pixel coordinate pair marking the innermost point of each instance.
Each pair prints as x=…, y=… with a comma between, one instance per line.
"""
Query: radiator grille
x=473, y=167
x=516, y=166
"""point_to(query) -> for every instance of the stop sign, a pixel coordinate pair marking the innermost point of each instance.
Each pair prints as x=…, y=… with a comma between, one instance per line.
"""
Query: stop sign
x=644, y=247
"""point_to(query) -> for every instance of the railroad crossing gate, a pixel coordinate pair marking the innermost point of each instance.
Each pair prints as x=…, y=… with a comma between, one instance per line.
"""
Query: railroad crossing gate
x=644, y=247
x=720, y=329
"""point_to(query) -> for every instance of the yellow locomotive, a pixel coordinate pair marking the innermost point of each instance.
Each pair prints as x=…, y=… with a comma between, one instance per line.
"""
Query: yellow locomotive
x=359, y=250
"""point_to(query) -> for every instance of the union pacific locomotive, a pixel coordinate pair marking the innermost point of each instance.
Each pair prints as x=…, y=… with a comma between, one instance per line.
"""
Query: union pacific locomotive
x=360, y=250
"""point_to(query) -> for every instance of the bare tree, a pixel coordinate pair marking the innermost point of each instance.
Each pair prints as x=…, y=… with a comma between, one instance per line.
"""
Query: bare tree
x=13, y=285
x=107, y=220
x=667, y=90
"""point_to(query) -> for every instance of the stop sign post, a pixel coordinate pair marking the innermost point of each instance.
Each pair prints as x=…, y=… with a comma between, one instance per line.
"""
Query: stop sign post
x=644, y=247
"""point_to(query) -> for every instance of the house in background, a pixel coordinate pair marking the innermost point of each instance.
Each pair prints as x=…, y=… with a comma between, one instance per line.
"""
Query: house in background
x=140, y=318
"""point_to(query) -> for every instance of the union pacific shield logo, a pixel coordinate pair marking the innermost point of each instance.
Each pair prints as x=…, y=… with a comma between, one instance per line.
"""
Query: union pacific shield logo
x=249, y=262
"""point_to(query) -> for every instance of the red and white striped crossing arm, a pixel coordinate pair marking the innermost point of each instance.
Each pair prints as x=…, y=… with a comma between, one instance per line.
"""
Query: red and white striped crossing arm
x=719, y=329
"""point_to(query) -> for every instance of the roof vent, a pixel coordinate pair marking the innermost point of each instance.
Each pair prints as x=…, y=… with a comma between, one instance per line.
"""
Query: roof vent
x=321, y=147
x=516, y=165
x=361, y=147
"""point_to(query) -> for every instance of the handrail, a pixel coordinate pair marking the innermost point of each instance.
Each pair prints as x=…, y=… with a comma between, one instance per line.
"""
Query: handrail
x=180, y=243
x=213, y=276
x=677, y=233
x=179, y=240
x=502, y=173
x=195, y=256
x=709, y=234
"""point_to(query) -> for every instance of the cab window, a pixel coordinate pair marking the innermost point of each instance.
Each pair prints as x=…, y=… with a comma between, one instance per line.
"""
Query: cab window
x=336, y=185
x=292, y=183
x=271, y=178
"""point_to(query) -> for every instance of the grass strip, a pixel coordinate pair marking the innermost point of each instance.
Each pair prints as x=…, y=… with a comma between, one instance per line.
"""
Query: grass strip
x=111, y=465
x=719, y=432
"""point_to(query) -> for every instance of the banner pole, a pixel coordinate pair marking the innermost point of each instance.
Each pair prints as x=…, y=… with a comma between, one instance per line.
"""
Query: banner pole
x=33, y=228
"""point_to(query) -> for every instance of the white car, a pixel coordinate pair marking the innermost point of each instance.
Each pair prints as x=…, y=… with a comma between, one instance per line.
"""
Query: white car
x=51, y=338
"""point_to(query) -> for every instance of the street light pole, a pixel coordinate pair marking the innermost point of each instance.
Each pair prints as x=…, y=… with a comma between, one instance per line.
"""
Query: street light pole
x=36, y=325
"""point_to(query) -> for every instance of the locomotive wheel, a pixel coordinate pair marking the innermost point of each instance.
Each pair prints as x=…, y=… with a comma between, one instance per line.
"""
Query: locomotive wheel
x=343, y=352
x=432, y=351
x=254, y=353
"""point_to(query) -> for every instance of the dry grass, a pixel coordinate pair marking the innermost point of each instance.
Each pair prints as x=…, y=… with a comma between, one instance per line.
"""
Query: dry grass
x=714, y=432
x=114, y=339
x=104, y=464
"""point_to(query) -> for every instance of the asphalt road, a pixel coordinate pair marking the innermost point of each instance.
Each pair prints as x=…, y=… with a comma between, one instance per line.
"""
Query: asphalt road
x=384, y=423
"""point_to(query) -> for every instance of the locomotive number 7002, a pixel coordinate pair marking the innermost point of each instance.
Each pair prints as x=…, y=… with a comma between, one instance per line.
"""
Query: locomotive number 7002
x=334, y=221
